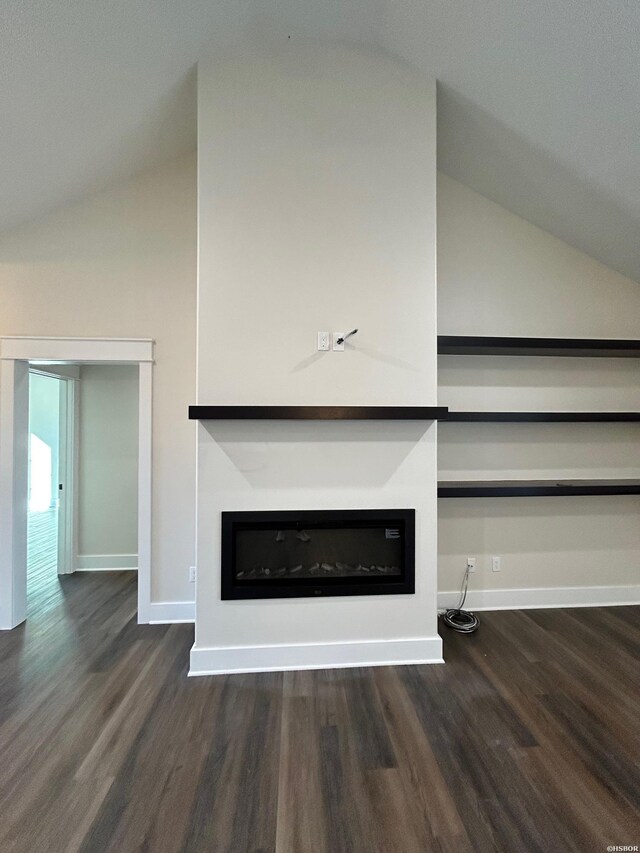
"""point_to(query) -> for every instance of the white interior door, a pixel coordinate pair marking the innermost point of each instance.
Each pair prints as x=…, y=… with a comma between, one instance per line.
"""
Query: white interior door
x=67, y=476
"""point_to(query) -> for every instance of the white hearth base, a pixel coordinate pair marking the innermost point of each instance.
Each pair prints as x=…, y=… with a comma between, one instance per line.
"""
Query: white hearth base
x=219, y=661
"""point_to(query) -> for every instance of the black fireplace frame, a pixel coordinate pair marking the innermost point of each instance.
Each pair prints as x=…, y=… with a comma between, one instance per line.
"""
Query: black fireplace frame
x=233, y=589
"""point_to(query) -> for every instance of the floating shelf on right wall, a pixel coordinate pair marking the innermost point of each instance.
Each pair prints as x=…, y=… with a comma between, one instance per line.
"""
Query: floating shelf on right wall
x=535, y=488
x=575, y=347
x=543, y=417
x=568, y=347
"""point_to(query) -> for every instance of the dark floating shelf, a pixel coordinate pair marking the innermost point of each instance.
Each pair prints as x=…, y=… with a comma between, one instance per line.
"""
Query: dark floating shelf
x=533, y=488
x=318, y=413
x=581, y=347
x=543, y=417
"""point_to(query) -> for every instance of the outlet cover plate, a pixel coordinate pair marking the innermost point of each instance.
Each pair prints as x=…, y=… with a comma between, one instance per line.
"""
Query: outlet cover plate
x=324, y=339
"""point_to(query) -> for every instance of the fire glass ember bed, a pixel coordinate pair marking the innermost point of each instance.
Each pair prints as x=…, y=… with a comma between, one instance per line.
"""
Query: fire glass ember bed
x=314, y=553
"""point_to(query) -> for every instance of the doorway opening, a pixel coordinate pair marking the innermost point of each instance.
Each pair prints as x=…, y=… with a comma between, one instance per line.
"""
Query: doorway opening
x=82, y=477
x=44, y=484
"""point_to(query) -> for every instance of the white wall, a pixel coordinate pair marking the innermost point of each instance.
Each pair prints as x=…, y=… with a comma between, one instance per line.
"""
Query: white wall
x=108, y=466
x=316, y=212
x=499, y=275
x=123, y=264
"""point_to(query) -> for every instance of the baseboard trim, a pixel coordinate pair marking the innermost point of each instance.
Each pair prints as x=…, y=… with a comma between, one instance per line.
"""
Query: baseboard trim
x=106, y=562
x=224, y=661
x=543, y=597
x=165, y=612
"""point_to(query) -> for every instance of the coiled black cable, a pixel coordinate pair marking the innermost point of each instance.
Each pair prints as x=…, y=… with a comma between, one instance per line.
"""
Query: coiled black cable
x=461, y=620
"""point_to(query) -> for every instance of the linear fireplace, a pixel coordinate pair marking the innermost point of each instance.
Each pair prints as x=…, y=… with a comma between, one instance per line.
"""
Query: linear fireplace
x=317, y=553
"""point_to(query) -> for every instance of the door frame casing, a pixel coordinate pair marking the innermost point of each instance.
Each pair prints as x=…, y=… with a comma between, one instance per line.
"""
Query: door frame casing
x=15, y=355
x=68, y=476
x=14, y=490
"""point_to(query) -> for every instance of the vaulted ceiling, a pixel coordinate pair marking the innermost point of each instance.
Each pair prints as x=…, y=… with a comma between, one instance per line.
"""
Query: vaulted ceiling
x=538, y=101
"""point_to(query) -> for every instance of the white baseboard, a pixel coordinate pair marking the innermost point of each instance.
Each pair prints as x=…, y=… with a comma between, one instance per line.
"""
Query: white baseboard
x=106, y=562
x=527, y=599
x=163, y=612
x=219, y=661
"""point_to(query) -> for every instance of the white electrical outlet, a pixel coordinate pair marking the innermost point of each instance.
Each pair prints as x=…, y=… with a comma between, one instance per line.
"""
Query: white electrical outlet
x=471, y=564
x=192, y=574
x=336, y=337
x=496, y=565
x=323, y=341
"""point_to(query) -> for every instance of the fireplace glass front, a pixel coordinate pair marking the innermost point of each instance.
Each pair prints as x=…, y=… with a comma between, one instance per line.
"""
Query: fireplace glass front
x=315, y=553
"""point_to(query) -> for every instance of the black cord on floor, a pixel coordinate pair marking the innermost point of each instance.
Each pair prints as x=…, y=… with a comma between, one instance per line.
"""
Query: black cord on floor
x=461, y=620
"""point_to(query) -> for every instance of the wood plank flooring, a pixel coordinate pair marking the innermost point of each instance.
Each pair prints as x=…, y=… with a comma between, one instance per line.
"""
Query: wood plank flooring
x=528, y=739
x=42, y=561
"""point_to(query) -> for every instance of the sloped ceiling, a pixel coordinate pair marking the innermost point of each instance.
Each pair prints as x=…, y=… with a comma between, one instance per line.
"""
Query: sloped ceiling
x=538, y=101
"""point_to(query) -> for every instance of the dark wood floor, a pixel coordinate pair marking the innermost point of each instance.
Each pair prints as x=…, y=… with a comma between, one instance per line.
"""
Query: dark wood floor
x=528, y=739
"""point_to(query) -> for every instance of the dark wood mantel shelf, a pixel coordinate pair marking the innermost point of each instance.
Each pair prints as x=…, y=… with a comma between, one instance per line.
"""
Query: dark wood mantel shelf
x=318, y=413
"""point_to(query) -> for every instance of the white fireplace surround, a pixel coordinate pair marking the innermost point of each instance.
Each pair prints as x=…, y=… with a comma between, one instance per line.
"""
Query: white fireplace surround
x=258, y=465
x=316, y=210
